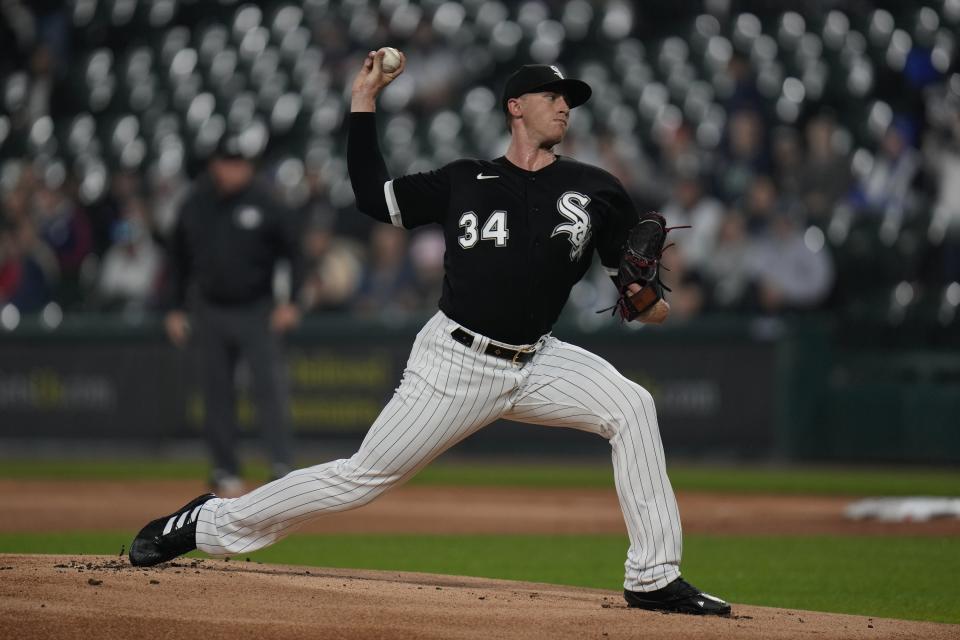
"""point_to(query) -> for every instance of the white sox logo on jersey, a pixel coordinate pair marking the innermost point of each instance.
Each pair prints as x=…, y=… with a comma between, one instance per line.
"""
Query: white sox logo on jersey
x=573, y=207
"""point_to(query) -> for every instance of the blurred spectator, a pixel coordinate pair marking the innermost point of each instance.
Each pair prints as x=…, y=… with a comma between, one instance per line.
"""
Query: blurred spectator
x=332, y=262
x=37, y=251
x=65, y=228
x=23, y=281
x=680, y=155
x=16, y=201
x=941, y=155
x=744, y=156
x=687, y=296
x=884, y=190
x=41, y=84
x=727, y=268
x=387, y=287
x=10, y=266
x=790, y=270
x=920, y=69
x=761, y=204
x=626, y=159
x=333, y=35
x=592, y=299
x=824, y=175
x=333, y=266
x=743, y=93
x=704, y=214
x=167, y=191
x=427, y=248
x=434, y=68
x=16, y=34
x=52, y=22
x=125, y=187
x=787, y=157
x=35, y=37
x=132, y=265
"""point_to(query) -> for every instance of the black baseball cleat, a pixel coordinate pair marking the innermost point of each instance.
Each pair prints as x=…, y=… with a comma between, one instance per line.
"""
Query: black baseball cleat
x=166, y=538
x=679, y=597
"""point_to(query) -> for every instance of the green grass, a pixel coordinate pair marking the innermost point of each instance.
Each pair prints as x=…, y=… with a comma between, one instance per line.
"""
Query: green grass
x=890, y=482
x=893, y=577
x=77, y=469
x=790, y=480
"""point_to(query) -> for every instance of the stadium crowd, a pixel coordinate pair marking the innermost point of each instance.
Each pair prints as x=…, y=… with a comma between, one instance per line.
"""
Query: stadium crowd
x=771, y=191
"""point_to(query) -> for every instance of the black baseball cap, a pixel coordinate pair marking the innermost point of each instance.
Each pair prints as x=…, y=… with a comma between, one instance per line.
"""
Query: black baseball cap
x=230, y=147
x=242, y=143
x=533, y=78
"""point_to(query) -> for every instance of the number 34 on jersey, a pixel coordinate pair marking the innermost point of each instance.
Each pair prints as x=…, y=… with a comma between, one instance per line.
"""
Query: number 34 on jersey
x=495, y=229
x=571, y=205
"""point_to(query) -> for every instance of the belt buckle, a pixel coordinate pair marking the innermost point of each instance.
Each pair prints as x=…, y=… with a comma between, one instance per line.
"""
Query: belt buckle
x=521, y=352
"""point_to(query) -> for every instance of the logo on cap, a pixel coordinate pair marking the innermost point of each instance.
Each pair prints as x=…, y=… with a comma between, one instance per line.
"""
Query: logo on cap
x=248, y=217
x=557, y=71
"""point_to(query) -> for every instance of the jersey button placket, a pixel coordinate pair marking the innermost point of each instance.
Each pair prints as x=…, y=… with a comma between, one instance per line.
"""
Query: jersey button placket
x=528, y=197
x=533, y=227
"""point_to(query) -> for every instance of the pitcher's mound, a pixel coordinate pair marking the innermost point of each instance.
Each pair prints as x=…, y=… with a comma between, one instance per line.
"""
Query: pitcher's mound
x=88, y=597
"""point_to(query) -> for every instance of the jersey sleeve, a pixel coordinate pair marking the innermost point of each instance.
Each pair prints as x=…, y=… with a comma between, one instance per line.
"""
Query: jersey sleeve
x=619, y=217
x=419, y=198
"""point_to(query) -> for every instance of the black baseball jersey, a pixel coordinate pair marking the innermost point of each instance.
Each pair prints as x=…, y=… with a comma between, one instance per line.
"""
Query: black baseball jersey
x=516, y=241
x=229, y=245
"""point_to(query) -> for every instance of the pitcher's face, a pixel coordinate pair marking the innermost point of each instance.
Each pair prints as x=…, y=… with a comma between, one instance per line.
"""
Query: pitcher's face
x=546, y=115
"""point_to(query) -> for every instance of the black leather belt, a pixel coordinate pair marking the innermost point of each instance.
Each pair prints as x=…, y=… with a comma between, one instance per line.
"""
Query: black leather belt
x=513, y=355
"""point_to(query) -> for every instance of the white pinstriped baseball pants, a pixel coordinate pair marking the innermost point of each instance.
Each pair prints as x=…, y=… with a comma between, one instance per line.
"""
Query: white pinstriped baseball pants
x=450, y=391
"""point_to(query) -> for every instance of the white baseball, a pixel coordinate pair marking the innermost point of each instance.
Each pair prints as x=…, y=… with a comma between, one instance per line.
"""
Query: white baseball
x=391, y=60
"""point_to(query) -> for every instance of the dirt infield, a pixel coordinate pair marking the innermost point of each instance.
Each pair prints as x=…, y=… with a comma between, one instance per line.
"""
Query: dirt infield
x=32, y=505
x=102, y=597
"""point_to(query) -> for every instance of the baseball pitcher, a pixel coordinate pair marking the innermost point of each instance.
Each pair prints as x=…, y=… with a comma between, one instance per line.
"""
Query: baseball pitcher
x=520, y=232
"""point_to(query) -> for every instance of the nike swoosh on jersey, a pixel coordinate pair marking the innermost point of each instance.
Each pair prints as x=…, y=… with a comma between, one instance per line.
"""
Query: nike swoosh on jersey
x=480, y=176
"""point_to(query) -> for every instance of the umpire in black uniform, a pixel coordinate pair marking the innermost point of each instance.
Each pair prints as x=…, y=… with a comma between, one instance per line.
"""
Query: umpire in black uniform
x=230, y=233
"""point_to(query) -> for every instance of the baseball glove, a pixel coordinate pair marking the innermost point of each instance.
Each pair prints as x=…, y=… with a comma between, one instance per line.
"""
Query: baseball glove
x=640, y=264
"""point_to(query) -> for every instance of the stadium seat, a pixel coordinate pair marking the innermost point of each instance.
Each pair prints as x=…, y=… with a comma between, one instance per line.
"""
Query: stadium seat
x=790, y=31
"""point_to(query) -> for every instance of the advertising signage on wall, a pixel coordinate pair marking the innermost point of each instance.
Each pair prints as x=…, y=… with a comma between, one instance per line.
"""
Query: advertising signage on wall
x=714, y=395
x=81, y=390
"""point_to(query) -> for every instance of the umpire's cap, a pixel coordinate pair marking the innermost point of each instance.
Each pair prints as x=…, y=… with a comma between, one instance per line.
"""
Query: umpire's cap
x=533, y=78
